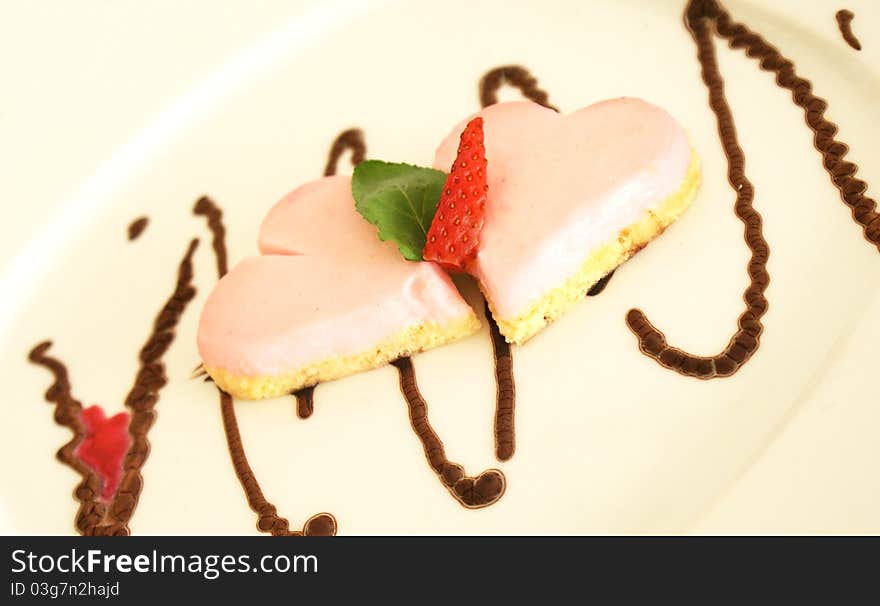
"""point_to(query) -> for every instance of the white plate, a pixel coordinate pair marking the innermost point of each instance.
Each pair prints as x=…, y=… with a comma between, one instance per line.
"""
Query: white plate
x=607, y=440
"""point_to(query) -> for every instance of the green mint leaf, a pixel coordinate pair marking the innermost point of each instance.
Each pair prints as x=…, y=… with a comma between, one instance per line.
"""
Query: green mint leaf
x=399, y=199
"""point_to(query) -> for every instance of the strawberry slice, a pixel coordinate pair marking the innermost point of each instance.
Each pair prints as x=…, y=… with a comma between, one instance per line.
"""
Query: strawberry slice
x=454, y=235
x=104, y=446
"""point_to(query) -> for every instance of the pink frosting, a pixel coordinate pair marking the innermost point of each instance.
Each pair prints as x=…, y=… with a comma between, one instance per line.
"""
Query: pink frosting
x=561, y=185
x=324, y=286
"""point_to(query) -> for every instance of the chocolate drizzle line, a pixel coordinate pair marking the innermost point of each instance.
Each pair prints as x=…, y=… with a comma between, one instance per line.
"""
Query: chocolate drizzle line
x=351, y=139
x=305, y=402
x=842, y=173
x=144, y=394
x=844, y=22
x=505, y=402
x=699, y=18
x=514, y=75
x=488, y=487
x=505, y=398
x=137, y=227
x=472, y=492
x=94, y=516
x=322, y=524
x=208, y=209
x=599, y=286
x=67, y=411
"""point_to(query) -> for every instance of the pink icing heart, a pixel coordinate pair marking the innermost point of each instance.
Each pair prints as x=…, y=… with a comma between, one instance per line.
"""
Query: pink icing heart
x=324, y=286
x=561, y=185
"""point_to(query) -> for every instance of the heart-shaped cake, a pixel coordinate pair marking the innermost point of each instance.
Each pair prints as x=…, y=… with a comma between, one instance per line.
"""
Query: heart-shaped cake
x=563, y=200
x=571, y=197
x=324, y=300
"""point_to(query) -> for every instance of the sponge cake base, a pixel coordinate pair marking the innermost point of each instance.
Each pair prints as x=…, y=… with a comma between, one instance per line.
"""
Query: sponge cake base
x=600, y=262
x=409, y=341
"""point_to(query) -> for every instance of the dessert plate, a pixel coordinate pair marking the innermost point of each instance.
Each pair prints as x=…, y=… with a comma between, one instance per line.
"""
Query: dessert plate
x=607, y=439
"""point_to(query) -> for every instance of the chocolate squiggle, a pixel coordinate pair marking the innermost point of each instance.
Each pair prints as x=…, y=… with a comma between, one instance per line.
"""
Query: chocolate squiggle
x=67, y=414
x=94, y=516
x=207, y=208
x=514, y=75
x=305, y=402
x=505, y=397
x=144, y=394
x=137, y=227
x=322, y=524
x=844, y=22
x=699, y=18
x=505, y=444
x=843, y=174
x=352, y=140
x=505, y=440
x=472, y=492
x=599, y=286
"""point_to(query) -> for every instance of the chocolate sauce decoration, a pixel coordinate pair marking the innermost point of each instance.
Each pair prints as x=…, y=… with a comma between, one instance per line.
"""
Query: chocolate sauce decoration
x=505, y=397
x=599, y=286
x=322, y=524
x=349, y=140
x=505, y=440
x=842, y=173
x=95, y=517
x=137, y=227
x=699, y=18
x=844, y=22
x=514, y=75
x=472, y=492
x=305, y=402
x=702, y=17
x=505, y=436
x=207, y=208
x=67, y=414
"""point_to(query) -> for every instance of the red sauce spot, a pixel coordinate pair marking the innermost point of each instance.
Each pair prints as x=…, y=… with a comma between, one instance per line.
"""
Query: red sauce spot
x=104, y=446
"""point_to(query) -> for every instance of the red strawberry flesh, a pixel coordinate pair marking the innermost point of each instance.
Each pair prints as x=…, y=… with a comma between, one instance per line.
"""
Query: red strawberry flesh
x=104, y=446
x=454, y=236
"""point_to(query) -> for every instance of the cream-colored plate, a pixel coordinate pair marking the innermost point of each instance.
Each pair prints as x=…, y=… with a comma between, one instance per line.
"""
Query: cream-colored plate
x=113, y=111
